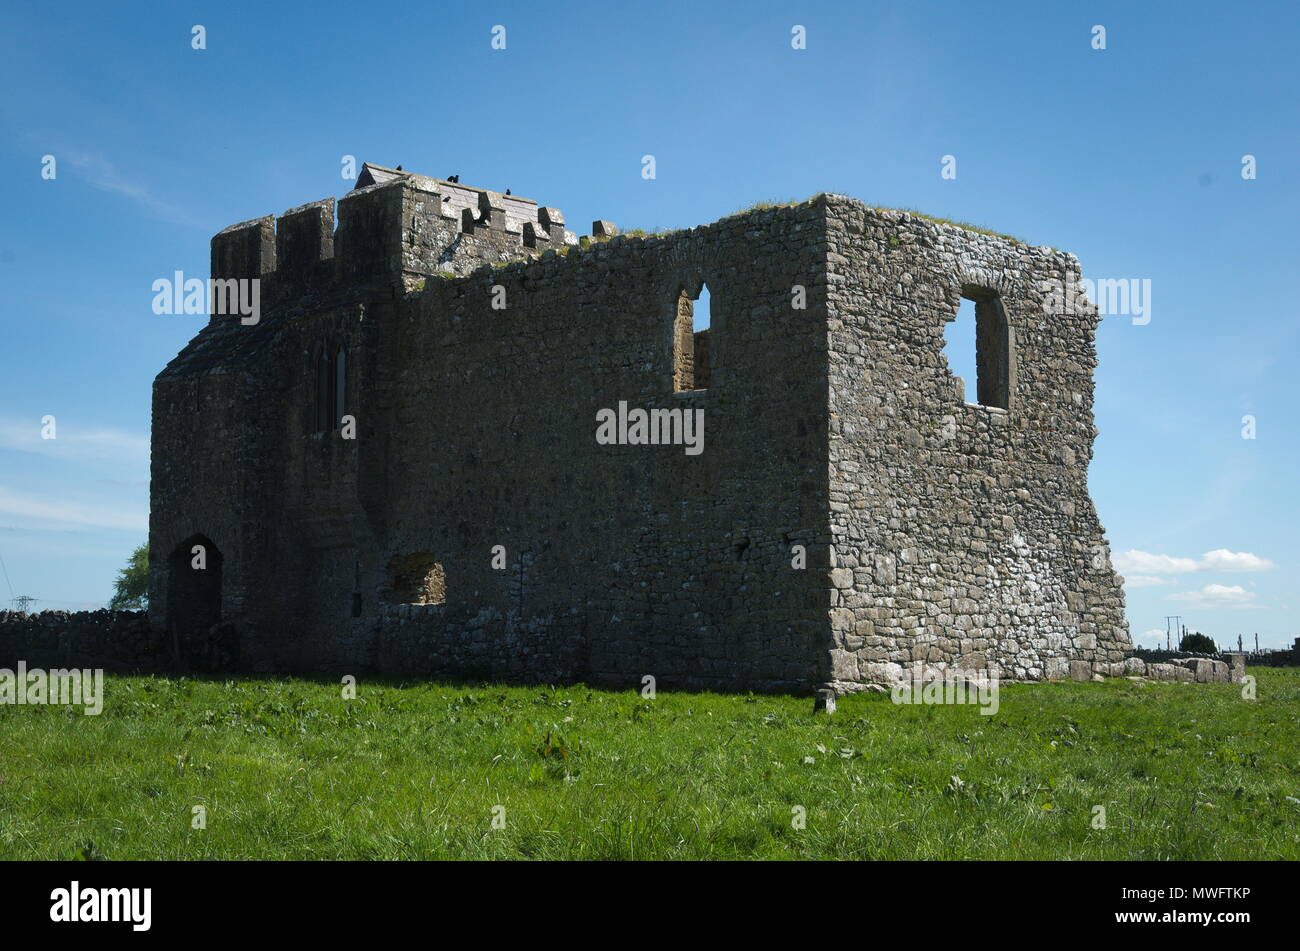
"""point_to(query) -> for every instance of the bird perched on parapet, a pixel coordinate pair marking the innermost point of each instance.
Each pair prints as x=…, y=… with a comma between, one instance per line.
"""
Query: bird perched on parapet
x=448, y=198
x=399, y=168
x=507, y=191
x=453, y=178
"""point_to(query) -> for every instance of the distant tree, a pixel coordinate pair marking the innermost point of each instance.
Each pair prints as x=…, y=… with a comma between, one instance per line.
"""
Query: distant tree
x=1198, y=644
x=132, y=592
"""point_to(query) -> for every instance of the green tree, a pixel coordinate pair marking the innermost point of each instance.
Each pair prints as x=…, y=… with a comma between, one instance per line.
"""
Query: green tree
x=132, y=592
x=1198, y=644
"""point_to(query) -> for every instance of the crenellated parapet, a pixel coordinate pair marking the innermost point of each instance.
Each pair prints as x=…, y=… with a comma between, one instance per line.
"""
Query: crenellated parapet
x=244, y=250
x=394, y=227
x=304, y=243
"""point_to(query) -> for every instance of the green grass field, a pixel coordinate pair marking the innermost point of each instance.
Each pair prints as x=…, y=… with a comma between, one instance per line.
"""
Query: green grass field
x=289, y=769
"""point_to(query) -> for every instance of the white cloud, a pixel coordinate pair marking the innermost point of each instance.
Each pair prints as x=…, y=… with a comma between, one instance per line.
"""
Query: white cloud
x=1146, y=563
x=1144, y=581
x=71, y=512
x=1154, y=636
x=1216, y=596
x=1223, y=560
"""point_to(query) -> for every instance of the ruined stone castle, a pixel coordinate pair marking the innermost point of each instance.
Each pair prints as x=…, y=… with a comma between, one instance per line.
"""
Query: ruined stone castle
x=396, y=467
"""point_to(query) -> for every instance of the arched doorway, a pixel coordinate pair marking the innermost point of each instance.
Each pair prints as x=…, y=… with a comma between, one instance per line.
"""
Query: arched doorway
x=194, y=586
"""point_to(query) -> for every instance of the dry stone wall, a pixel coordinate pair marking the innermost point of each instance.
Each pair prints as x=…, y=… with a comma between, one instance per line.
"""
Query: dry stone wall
x=116, y=640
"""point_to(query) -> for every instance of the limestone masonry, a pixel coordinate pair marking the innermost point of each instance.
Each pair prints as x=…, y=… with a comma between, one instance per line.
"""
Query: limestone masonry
x=396, y=468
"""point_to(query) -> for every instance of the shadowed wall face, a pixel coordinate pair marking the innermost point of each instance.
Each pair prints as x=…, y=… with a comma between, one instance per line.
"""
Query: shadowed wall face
x=476, y=402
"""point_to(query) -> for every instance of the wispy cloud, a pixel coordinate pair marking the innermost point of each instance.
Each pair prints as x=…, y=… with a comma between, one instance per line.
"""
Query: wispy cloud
x=1215, y=596
x=71, y=511
x=1146, y=563
x=72, y=442
x=98, y=172
x=1145, y=581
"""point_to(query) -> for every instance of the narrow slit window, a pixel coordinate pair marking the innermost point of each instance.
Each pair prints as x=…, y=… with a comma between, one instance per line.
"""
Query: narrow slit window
x=340, y=387
x=323, y=396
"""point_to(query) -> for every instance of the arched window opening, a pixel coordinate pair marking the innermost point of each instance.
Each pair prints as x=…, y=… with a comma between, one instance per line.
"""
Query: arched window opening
x=691, y=330
x=331, y=403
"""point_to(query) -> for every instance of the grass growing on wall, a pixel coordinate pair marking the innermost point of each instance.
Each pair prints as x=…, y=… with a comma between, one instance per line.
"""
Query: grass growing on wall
x=289, y=769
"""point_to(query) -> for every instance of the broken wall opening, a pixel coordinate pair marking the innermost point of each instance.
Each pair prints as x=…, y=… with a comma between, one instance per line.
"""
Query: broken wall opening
x=416, y=579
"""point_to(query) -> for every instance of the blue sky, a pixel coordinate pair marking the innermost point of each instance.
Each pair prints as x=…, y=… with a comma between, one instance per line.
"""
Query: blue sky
x=1130, y=157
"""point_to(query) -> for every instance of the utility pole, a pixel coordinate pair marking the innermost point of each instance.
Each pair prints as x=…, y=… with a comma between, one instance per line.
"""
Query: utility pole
x=1257, y=642
x=23, y=602
x=1175, y=618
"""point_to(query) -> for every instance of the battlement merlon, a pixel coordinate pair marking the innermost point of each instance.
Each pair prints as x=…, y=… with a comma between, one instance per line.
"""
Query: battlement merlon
x=400, y=227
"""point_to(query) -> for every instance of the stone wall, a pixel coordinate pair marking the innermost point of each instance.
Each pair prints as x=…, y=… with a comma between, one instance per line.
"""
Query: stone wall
x=1229, y=667
x=236, y=465
x=621, y=560
x=1270, y=658
x=115, y=640
x=1277, y=658
x=963, y=534
x=476, y=428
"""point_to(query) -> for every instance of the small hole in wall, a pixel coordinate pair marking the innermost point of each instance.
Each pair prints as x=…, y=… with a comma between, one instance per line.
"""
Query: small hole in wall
x=741, y=548
x=416, y=579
